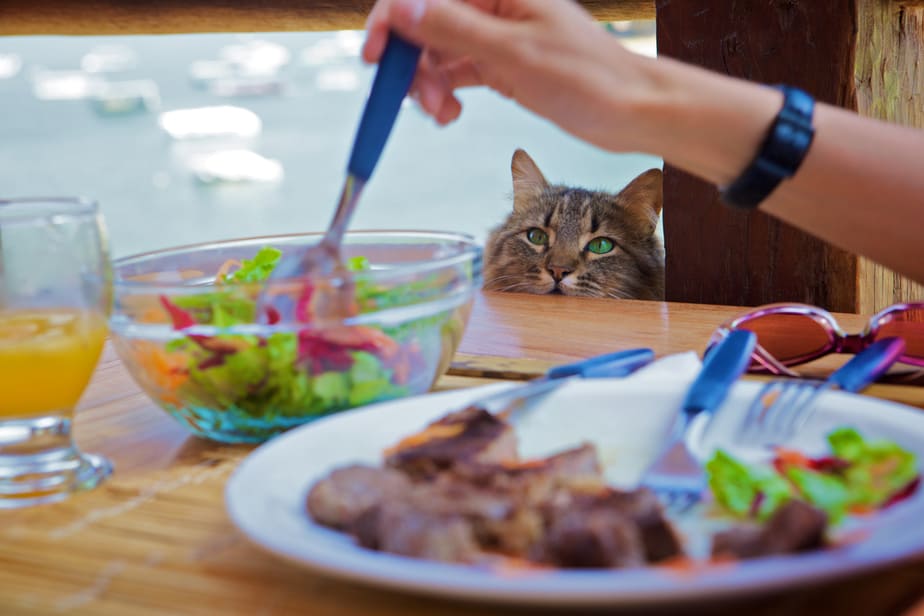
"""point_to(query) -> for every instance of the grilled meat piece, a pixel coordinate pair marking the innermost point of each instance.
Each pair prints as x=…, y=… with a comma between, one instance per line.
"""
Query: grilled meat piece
x=794, y=527
x=600, y=509
x=645, y=509
x=401, y=528
x=338, y=499
x=456, y=491
x=493, y=518
x=527, y=486
x=469, y=436
x=603, y=538
x=535, y=481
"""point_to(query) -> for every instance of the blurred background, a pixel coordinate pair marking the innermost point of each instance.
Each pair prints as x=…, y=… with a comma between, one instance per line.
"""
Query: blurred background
x=188, y=138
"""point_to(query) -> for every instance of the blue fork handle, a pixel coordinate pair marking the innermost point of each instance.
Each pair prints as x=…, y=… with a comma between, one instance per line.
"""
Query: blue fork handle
x=392, y=81
x=868, y=365
x=620, y=363
x=724, y=363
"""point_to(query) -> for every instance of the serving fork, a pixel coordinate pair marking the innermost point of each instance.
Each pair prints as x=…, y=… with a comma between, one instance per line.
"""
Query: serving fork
x=508, y=402
x=323, y=263
x=782, y=406
x=676, y=477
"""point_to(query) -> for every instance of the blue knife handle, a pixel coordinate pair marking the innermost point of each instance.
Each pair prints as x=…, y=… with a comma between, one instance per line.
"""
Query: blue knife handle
x=723, y=365
x=620, y=363
x=392, y=81
x=868, y=365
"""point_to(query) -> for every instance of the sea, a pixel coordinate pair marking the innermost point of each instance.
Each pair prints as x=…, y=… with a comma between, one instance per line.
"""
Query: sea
x=193, y=138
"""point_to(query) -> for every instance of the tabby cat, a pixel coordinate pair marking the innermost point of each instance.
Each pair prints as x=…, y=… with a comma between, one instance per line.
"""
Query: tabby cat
x=578, y=242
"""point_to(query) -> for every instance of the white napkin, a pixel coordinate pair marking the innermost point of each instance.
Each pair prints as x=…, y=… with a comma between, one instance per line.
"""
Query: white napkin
x=626, y=418
x=677, y=367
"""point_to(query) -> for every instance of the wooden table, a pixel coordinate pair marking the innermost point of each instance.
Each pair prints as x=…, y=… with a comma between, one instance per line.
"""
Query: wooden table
x=155, y=539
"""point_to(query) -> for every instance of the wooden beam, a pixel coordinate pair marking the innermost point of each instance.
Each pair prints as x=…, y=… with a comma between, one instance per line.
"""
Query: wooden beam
x=89, y=17
x=719, y=256
x=889, y=77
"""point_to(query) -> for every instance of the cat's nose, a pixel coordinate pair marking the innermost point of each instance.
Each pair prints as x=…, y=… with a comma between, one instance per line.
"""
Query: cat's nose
x=558, y=273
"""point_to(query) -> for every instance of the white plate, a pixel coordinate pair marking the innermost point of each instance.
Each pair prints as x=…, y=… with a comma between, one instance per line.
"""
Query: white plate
x=266, y=495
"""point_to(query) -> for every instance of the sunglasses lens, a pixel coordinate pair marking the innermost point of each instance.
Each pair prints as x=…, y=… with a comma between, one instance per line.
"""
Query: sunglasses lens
x=790, y=338
x=908, y=325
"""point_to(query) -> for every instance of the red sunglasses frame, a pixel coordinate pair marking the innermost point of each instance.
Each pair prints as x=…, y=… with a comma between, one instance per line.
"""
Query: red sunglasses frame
x=838, y=340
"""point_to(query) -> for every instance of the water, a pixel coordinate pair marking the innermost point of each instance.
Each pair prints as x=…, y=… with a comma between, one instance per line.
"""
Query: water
x=156, y=191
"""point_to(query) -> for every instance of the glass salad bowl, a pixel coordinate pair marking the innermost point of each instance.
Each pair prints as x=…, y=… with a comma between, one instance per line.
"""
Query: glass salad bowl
x=185, y=324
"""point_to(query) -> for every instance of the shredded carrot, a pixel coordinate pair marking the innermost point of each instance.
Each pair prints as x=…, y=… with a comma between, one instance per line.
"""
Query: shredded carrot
x=511, y=567
x=792, y=457
x=857, y=535
x=224, y=270
x=153, y=315
x=166, y=370
x=687, y=567
x=431, y=433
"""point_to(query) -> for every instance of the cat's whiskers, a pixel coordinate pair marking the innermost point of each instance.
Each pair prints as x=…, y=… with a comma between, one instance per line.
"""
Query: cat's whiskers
x=517, y=286
x=517, y=283
x=619, y=294
x=502, y=279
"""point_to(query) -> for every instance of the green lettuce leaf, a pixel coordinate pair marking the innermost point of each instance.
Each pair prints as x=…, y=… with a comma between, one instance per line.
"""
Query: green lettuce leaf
x=866, y=475
x=222, y=308
x=745, y=490
x=826, y=492
x=877, y=470
x=257, y=269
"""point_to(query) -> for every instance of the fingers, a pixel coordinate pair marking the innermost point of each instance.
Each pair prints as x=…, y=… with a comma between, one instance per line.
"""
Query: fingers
x=462, y=74
x=434, y=91
x=376, y=33
x=449, y=25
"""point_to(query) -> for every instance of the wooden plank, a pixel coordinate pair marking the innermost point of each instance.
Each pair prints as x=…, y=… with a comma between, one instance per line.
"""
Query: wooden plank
x=716, y=255
x=183, y=16
x=889, y=76
x=534, y=332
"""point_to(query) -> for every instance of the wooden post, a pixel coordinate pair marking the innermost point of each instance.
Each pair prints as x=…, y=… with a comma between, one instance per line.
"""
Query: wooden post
x=863, y=55
x=890, y=86
x=721, y=256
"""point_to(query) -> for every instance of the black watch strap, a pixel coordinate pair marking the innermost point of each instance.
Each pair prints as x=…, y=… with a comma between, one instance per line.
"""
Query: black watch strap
x=781, y=153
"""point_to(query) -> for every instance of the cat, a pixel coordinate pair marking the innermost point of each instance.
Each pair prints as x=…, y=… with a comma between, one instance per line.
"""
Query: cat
x=573, y=241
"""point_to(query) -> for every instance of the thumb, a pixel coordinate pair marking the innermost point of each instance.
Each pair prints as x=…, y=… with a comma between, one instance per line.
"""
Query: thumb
x=450, y=26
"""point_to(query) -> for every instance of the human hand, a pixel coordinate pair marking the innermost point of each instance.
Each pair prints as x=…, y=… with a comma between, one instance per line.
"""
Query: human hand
x=548, y=55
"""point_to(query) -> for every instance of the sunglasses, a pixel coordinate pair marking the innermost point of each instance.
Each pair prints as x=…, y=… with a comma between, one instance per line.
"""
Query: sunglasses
x=793, y=334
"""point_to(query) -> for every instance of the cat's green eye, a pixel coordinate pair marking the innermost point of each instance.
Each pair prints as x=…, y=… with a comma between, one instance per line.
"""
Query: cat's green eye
x=537, y=236
x=600, y=245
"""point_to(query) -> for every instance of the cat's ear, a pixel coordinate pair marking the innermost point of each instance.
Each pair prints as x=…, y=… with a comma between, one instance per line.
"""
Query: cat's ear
x=642, y=199
x=528, y=181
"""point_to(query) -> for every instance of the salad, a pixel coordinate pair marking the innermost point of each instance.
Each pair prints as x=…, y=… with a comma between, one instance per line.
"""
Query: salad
x=232, y=378
x=858, y=476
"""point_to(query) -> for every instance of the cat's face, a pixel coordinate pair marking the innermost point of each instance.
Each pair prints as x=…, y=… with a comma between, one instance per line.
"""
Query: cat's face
x=578, y=242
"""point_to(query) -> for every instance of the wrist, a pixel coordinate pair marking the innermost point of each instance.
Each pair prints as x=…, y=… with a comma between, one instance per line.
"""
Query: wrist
x=781, y=152
x=708, y=124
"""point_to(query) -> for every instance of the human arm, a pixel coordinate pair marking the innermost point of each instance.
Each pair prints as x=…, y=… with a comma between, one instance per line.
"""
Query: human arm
x=859, y=187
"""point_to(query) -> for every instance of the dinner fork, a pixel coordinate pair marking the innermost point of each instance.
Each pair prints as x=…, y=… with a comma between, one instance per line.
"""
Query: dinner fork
x=676, y=477
x=782, y=406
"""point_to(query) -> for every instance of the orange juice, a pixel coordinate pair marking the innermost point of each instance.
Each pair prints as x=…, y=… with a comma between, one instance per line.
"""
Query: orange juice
x=46, y=358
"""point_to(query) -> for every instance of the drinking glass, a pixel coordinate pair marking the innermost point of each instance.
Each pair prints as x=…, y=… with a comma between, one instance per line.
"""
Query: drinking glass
x=55, y=295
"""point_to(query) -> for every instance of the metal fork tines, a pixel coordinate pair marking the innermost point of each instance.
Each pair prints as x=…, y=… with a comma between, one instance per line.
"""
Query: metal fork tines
x=676, y=477
x=780, y=409
x=783, y=406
